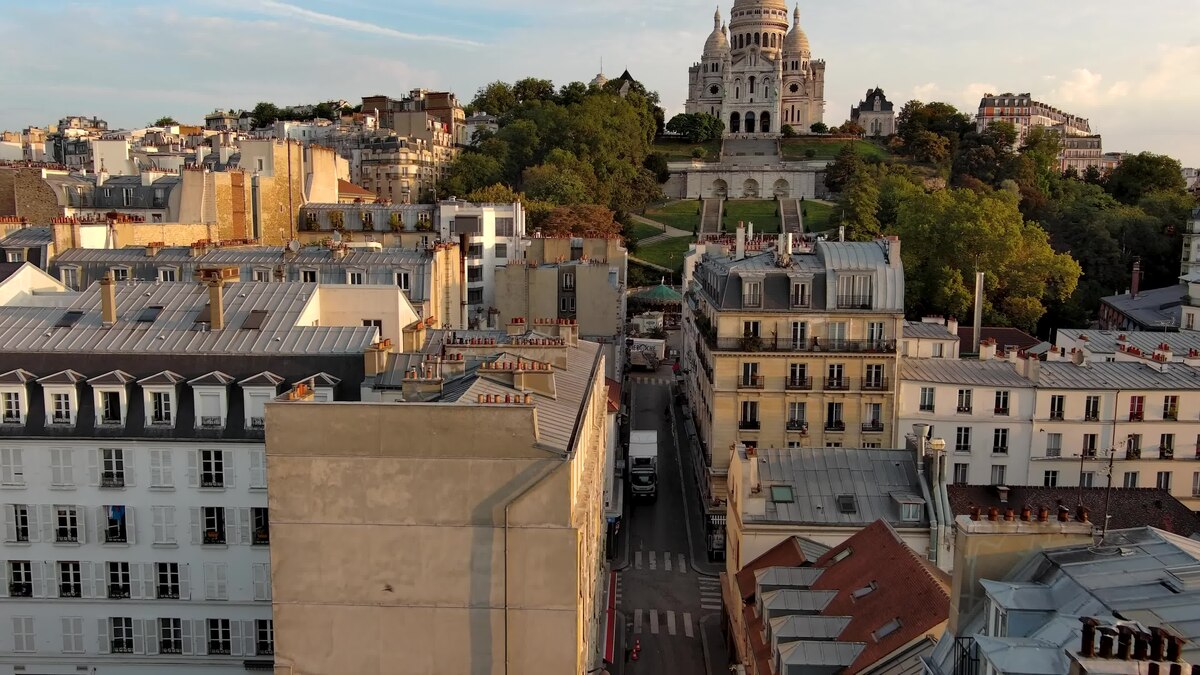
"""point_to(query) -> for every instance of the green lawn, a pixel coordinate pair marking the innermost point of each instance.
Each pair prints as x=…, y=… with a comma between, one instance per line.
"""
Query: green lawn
x=794, y=148
x=762, y=212
x=640, y=231
x=667, y=253
x=817, y=216
x=683, y=214
x=681, y=151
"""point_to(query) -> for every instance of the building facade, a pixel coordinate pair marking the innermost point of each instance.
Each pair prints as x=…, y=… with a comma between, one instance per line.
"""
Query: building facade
x=490, y=235
x=414, y=573
x=875, y=114
x=758, y=75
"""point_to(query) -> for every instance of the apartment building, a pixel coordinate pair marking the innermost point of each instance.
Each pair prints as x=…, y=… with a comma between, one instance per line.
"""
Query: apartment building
x=452, y=523
x=402, y=169
x=1063, y=422
x=1080, y=147
x=491, y=235
x=1190, y=260
x=133, y=469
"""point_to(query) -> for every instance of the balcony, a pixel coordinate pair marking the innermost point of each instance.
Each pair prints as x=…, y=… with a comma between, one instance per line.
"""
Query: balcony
x=12, y=419
x=1091, y=416
x=118, y=591
x=66, y=535
x=69, y=591
x=258, y=422
x=749, y=425
x=1172, y=415
x=874, y=384
x=1136, y=415
x=962, y=409
x=61, y=420
x=160, y=421
x=112, y=536
x=265, y=648
x=112, y=479
x=925, y=407
x=835, y=425
x=837, y=384
x=798, y=384
x=110, y=421
x=168, y=592
x=751, y=382
x=854, y=302
x=1056, y=415
x=214, y=537
x=874, y=426
x=122, y=646
x=1133, y=453
x=798, y=425
x=999, y=449
x=170, y=647
x=1088, y=453
x=212, y=422
x=219, y=648
x=212, y=480
x=1166, y=453
x=1002, y=411
x=813, y=345
x=20, y=589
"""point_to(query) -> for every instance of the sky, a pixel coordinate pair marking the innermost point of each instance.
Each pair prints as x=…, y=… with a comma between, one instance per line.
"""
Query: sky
x=1132, y=69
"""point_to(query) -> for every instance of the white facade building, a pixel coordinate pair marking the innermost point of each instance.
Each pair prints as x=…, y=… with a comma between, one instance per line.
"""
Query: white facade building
x=491, y=236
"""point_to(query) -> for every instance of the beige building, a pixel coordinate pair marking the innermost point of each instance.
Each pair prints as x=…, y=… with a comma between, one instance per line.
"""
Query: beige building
x=454, y=523
x=875, y=114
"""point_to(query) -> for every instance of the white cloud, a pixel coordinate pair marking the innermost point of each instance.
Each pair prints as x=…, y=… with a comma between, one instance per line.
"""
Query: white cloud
x=1173, y=76
x=1084, y=88
x=321, y=19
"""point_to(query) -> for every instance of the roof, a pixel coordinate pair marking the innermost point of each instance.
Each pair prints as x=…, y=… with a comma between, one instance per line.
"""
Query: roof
x=1124, y=375
x=990, y=373
x=1157, y=307
x=786, y=553
x=244, y=255
x=1106, y=341
x=819, y=476
x=28, y=236
x=928, y=331
x=7, y=269
x=614, y=394
x=348, y=189
x=1005, y=337
x=174, y=328
x=1128, y=507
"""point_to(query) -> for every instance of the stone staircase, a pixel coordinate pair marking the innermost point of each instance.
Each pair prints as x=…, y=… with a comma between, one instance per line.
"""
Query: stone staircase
x=710, y=215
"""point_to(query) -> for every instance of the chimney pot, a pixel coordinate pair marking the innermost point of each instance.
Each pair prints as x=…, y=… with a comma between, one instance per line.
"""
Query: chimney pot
x=1009, y=515
x=1141, y=646
x=1177, y=669
x=1064, y=514
x=1157, y=637
x=1025, y=513
x=1124, y=638
x=1174, y=646
x=1106, y=643
x=974, y=513
x=1153, y=668
x=1043, y=514
x=1087, y=642
x=993, y=513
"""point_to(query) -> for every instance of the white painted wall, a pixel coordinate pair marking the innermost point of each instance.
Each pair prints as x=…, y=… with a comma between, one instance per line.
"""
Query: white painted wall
x=346, y=305
x=488, y=239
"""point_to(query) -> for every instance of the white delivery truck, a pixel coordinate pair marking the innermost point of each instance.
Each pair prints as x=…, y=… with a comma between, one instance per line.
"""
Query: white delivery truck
x=643, y=464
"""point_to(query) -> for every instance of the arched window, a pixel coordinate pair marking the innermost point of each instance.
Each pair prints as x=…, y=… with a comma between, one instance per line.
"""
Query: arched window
x=734, y=122
x=750, y=122
x=748, y=39
x=751, y=85
x=772, y=39
x=764, y=122
x=756, y=39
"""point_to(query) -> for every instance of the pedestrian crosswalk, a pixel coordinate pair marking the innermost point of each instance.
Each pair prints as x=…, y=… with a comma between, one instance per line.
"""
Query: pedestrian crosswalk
x=710, y=593
x=664, y=622
x=619, y=591
x=664, y=560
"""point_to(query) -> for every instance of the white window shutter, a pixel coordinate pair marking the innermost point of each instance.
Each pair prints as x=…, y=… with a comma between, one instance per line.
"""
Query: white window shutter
x=231, y=525
x=87, y=580
x=148, y=579
x=94, y=467
x=37, y=569
x=100, y=573
x=3, y=579
x=245, y=535
x=193, y=468
x=130, y=469
x=99, y=523
x=197, y=525
x=169, y=524
x=258, y=468
x=81, y=527
x=185, y=581
x=135, y=581
x=249, y=636
x=10, y=522
x=157, y=523
x=139, y=637
x=102, y=635
x=168, y=469
x=227, y=466
x=130, y=524
x=222, y=582
x=186, y=637
x=47, y=521
x=210, y=581
x=235, y=638
x=151, y=628
x=199, y=637
x=156, y=475
x=67, y=629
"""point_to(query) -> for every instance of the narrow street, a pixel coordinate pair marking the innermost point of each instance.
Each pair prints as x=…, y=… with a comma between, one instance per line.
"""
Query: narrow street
x=672, y=607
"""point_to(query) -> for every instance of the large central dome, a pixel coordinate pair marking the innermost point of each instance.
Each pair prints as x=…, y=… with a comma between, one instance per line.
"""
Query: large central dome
x=756, y=4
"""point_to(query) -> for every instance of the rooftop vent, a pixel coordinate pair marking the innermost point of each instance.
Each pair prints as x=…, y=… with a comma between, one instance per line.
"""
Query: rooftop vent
x=69, y=319
x=847, y=504
x=149, y=314
x=1185, y=578
x=255, y=319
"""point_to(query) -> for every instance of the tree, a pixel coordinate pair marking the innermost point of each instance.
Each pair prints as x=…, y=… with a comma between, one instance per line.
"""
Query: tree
x=842, y=169
x=853, y=128
x=164, y=122
x=819, y=128
x=941, y=119
x=533, y=89
x=1143, y=173
x=699, y=153
x=554, y=184
x=696, y=127
x=860, y=203
x=265, y=114
x=581, y=220
x=788, y=131
x=471, y=171
x=656, y=163
x=1042, y=147
x=929, y=147
x=494, y=98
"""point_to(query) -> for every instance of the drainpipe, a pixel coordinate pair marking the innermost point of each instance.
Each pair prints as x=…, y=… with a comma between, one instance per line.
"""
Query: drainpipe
x=930, y=508
x=940, y=494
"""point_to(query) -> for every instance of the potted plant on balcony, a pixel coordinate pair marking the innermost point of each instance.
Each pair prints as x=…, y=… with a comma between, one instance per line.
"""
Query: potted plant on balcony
x=337, y=220
x=395, y=222
x=751, y=343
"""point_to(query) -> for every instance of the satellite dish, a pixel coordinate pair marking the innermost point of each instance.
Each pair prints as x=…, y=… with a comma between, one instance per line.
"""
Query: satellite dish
x=293, y=246
x=337, y=237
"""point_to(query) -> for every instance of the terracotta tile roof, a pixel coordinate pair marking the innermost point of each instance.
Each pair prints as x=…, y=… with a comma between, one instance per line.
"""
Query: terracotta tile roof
x=348, y=189
x=1129, y=507
x=786, y=553
x=1004, y=337
x=614, y=394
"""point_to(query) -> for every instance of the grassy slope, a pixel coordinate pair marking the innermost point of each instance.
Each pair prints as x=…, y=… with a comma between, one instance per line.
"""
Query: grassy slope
x=761, y=212
x=681, y=151
x=668, y=253
x=793, y=148
x=683, y=214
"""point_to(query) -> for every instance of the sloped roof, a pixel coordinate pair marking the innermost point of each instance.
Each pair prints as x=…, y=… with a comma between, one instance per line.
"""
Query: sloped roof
x=214, y=379
x=263, y=379
x=165, y=378
x=1128, y=507
x=1005, y=337
x=112, y=377
x=62, y=377
x=786, y=553
x=18, y=376
x=348, y=189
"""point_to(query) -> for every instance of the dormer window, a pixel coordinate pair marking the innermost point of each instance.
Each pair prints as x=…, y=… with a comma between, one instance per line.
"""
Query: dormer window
x=257, y=390
x=211, y=393
x=13, y=395
x=752, y=293
x=111, y=397
x=799, y=295
x=61, y=397
x=158, y=398
x=120, y=273
x=14, y=411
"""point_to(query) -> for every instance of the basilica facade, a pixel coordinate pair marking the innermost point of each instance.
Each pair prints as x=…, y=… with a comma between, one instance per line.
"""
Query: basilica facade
x=758, y=75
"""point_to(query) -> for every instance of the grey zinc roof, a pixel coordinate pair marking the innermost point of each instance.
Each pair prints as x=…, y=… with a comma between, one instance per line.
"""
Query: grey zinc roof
x=1105, y=341
x=991, y=373
x=1023, y=656
x=1153, y=308
x=1117, y=375
x=928, y=331
x=773, y=578
x=819, y=475
x=788, y=600
x=28, y=236
x=246, y=255
x=808, y=627
x=32, y=329
x=811, y=653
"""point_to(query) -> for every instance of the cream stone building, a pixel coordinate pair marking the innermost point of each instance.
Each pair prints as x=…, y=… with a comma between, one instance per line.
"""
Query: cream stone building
x=875, y=114
x=453, y=522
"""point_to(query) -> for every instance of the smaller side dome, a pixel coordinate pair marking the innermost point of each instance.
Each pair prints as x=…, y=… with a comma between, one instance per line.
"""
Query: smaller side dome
x=717, y=43
x=796, y=42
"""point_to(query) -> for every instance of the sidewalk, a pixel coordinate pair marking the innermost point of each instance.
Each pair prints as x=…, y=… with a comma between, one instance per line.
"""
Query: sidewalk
x=691, y=497
x=668, y=231
x=712, y=641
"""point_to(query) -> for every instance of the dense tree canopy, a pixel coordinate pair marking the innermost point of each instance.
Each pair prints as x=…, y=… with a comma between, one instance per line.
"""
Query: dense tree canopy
x=164, y=122
x=696, y=127
x=1139, y=175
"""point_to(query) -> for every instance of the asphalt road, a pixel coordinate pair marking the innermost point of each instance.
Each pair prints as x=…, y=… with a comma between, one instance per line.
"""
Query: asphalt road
x=661, y=595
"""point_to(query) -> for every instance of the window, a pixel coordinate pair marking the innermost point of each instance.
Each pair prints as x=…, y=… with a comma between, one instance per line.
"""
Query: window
x=12, y=408
x=1057, y=402
x=60, y=409
x=1133, y=446
x=1170, y=407
x=258, y=469
x=1089, y=445
x=926, y=399
x=262, y=581
x=23, y=634
x=799, y=334
x=110, y=408
x=219, y=638
x=161, y=408
x=962, y=439
x=962, y=472
x=875, y=331
x=70, y=581
x=1001, y=402
x=751, y=293
x=873, y=417
x=212, y=468
x=886, y=629
x=122, y=634
x=998, y=474
x=265, y=637
x=16, y=522
x=750, y=329
x=910, y=513
x=1166, y=446
x=1130, y=480
x=261, y=524
x=750, y=376
x=1087, y=479
x=170, y=636
x=1049, y=479
x=161, y=473
x=20, y=579
x=308, y=276
x=1000, y=441
x=72, y=632
x=797, y=414
x=566, y=304
x=167, y=274
x=1091, y=409
x=501, y=251
x=168, y=581
x=833, y=417
x=62, y=468
x=116, y=529
x=66, y=524
x=964, y=400
x=875, y=378
x=1137, y=405
x=216, y=586
x=939, y=350
x=118, y=580
x=854, y=291
x=474, y=296
x=112, y=467
x=163, y=518
x=403, y=280
x=798, y=376
x=1163, y=480
x=475, y=275
x=749, y=418
x=568, y=279
x=262, y=275
x=1053, y=445
x=11, y=470
x=1196, y=483
x=120, y=273
x=799, y=296
x=836, y=333
x=999, y=621
x=70, y=277
x=355, y=278
x=213, y=521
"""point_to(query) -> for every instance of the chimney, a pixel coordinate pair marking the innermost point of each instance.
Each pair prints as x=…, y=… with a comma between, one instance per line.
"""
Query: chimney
x=216, y=304
x=893, y=251
x=1136, y=281
x=1141, y=646
x=978, y=312
x=1174, y=646
x=1157, y=637
x=739, y=252
x=752, y=457
x=1087, y=641
x=841, y=233
x=952, y=325
x=749, y=231
x=1153, y=668
x=1106, y=643
x=790, y=244
x=1124, y=637
x=108, y=300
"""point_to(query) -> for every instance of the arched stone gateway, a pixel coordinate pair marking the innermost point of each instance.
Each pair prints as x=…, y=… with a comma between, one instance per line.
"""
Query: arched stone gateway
x=720, y=188
x=764, y=122
x=734, y=123
x=782, y=189
x=750, y=189
x=750, y=122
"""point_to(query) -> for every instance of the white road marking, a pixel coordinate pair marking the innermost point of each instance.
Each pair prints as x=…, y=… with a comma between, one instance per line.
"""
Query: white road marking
x=671, y=622
x=682, y=564
x=687, y=624
x=637, y=621
x=653, y=560
x=637, y=560
x=667, y=562
x=654, y=621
